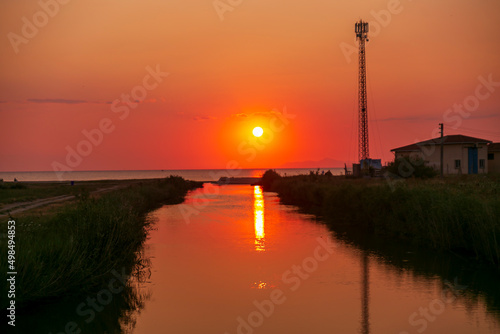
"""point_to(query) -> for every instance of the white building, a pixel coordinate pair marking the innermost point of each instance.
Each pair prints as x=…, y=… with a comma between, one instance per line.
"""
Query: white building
x=461, y=154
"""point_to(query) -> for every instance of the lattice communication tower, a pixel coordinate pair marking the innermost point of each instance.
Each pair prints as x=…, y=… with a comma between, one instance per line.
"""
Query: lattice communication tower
x=361, y=29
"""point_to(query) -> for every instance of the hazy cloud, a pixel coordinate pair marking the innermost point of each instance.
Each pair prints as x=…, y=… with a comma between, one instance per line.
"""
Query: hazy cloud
x=484, y=116
x=413, y=118
x=408, y=118
x=203, y=118
x=63, y=101
x=270, y=113
x=198, y=118
x=66, y=101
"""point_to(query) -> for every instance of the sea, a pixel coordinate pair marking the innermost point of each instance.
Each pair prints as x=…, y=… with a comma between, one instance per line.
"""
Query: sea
x=204, y=175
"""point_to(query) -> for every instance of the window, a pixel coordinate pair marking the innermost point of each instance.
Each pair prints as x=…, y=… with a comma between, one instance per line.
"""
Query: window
x=481, y=163
x=491, y=156
x=457, y=164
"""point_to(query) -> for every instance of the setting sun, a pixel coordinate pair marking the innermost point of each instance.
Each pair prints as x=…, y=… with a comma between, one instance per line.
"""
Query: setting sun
x=257, y=131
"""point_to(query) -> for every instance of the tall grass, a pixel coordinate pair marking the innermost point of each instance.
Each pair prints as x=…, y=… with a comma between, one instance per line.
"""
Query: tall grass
x=75, y=250
x=458, y=214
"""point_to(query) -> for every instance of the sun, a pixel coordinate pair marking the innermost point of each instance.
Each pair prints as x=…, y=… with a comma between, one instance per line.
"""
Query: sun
x=257, y=131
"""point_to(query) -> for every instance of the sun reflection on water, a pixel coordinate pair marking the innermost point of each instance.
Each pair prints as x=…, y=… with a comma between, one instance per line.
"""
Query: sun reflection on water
x=258, y=213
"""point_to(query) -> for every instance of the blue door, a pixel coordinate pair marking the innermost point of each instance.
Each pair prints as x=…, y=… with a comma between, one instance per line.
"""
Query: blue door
x=472, y=160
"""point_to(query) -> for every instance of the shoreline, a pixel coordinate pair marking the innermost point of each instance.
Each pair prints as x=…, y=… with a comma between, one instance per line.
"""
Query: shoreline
x=209, y=175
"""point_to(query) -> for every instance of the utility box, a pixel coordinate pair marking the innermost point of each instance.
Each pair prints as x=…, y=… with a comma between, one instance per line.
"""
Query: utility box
x=371, y=163
x=356, y=170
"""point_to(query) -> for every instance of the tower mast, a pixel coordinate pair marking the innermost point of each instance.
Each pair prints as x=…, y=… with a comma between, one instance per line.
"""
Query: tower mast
x=361, y=29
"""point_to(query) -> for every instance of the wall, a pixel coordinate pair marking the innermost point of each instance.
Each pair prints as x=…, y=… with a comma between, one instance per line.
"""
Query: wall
x=494, y=165
x=432, y=156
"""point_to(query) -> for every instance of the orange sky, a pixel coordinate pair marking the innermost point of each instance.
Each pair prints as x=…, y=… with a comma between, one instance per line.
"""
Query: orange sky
x=266, y=58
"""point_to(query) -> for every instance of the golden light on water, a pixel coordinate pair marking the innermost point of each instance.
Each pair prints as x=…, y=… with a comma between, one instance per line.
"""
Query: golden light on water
x=258, y=213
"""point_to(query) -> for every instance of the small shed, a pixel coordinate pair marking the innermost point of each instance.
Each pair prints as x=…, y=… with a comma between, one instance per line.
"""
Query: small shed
x=461, y=154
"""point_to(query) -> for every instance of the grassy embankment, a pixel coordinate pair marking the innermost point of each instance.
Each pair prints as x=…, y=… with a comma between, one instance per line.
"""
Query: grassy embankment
x=11, y=192
x=72, y=251
x=459, y=214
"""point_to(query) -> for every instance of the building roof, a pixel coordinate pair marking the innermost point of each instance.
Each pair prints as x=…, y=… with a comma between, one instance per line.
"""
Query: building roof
x=448, y=140
x=494, y=147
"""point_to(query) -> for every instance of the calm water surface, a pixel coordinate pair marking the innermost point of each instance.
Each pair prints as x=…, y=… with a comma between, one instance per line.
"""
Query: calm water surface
x=232, y=259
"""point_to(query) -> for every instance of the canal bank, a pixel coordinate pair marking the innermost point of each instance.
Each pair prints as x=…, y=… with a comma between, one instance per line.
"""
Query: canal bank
x=73, y=249
x=457, y=214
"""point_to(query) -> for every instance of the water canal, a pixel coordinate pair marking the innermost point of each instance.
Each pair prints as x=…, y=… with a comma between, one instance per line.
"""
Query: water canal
x=232, y=259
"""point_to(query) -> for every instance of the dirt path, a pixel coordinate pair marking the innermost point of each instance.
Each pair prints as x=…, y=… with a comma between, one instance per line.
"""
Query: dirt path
x=19, y=207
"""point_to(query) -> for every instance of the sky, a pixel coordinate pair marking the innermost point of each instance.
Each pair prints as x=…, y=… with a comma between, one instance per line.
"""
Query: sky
x=180, y=84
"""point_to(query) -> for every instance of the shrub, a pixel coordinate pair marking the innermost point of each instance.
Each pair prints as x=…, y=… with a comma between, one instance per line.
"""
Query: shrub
x=405, y=168
x=17, y=185
x=268, y=179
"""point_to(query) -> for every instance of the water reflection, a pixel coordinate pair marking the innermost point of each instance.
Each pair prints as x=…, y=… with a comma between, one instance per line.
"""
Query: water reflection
x=365, y=300
x=258, y=214
x=402, y=259
x=203, y=270
x=118, y=315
